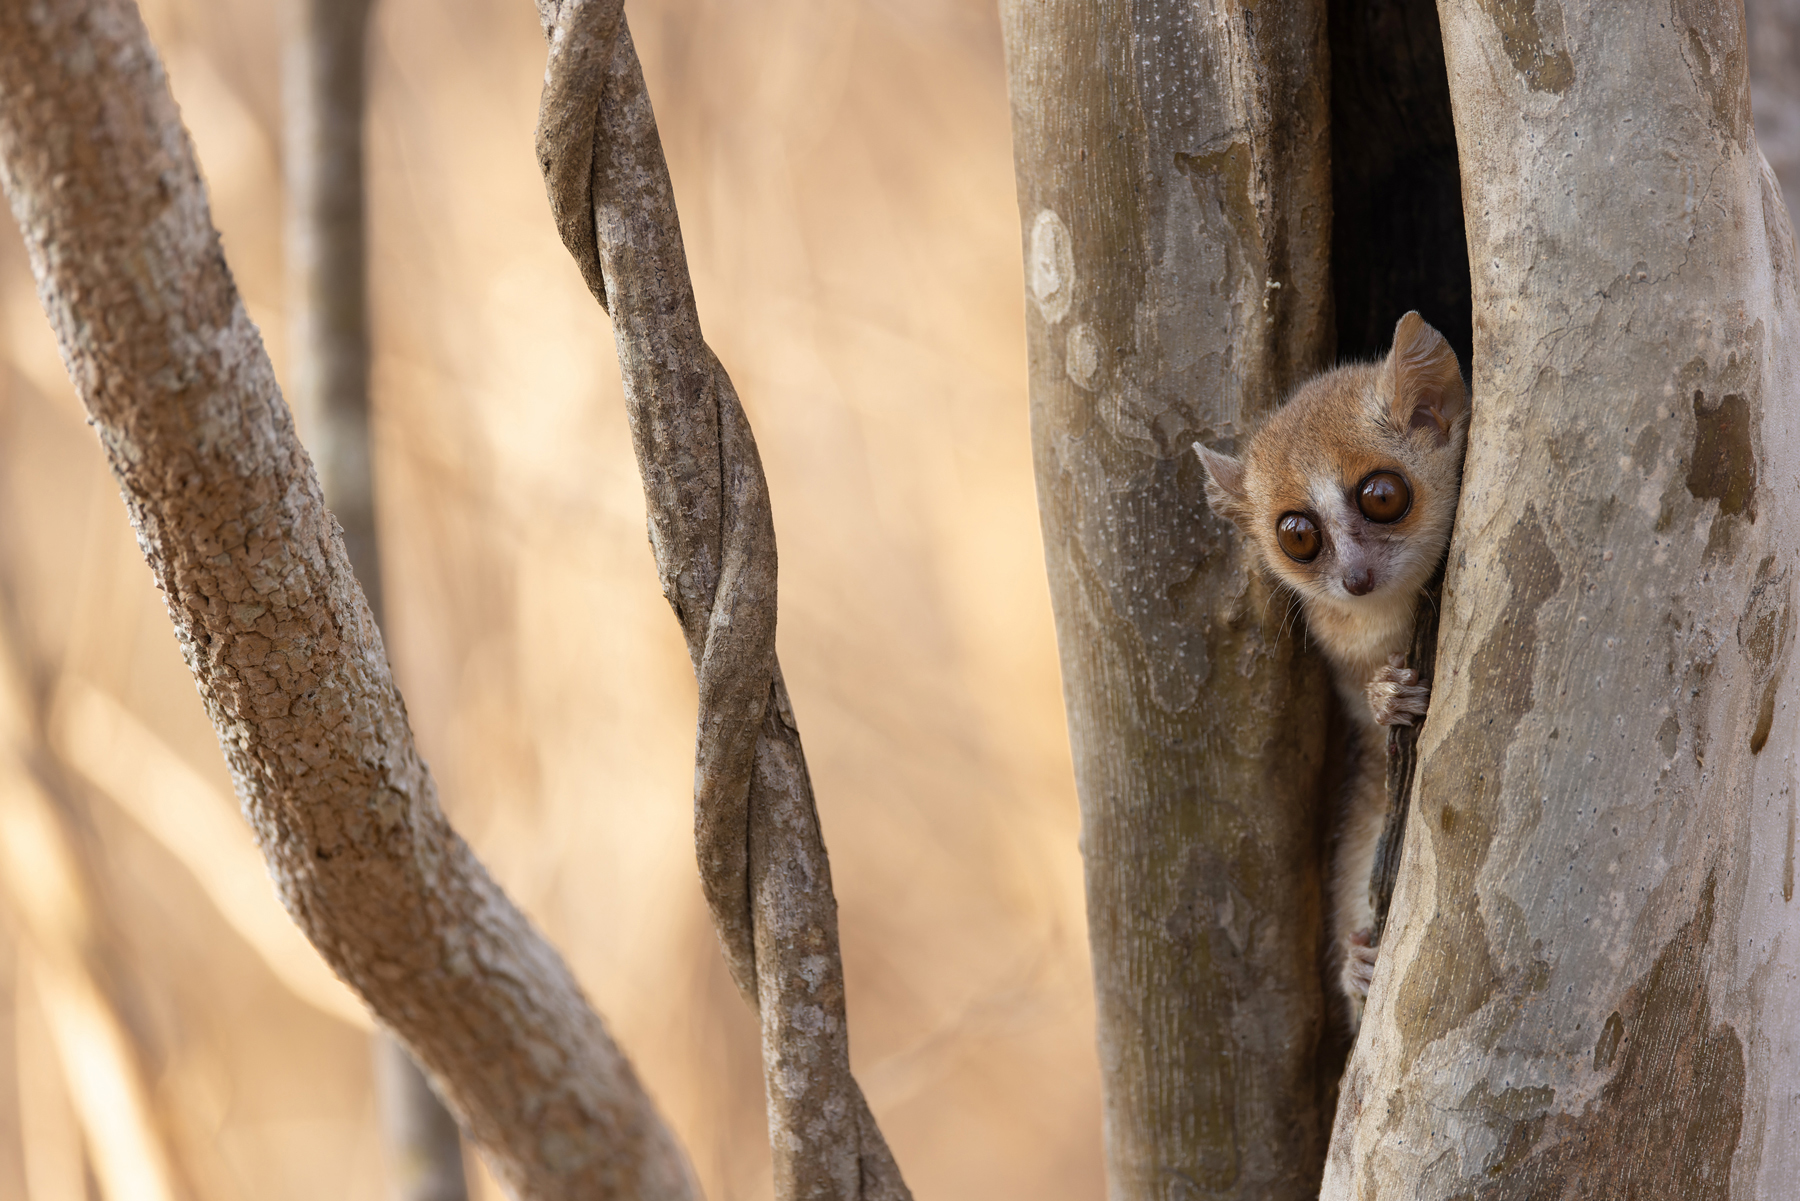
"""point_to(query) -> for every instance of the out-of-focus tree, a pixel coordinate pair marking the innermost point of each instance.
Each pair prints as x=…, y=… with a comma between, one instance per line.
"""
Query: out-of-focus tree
x=74, y=966
x=325, y=89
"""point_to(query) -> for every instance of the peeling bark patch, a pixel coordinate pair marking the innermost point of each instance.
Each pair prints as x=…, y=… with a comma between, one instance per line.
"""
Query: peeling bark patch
x=1712, y=45
x=1723, y=467
x=1526, y=1107
x=1531, y=33
x=1223, y=177
x=1764, y=634
x=1502, y=668
x=1668, y=1122
x=1052, y=273
x=1778, y=231
x=1643, y=452
x=1209, y=903
x=1454, y=974
x=1451, y=978
x=1787, y=860
x=1668, y=735
x=1607, y=1049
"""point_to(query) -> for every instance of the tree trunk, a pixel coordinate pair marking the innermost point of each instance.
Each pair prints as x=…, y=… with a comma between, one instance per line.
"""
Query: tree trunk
x=266, y=608
x=324, y=81
x=1585, y=990
x=1175, y=197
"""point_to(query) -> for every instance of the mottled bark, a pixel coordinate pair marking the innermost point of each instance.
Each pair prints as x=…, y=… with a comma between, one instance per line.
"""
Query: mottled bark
x=324, y=84
x=1586, y=987
x=286, y=654
x=762, y=855
x=1175, y=196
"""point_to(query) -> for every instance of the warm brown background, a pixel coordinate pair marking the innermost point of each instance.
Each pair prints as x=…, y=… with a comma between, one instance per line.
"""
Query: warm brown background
x=845, y=179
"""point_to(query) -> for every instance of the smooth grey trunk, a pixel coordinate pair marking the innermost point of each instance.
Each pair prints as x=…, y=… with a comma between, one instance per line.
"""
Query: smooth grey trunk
x=1586, y=987
x=284, y=649
x=325, y=88
x=1175, y=196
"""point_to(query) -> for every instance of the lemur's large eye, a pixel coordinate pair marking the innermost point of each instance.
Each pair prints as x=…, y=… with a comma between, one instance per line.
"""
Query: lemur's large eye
x=1299, y=537
x=1384, y=497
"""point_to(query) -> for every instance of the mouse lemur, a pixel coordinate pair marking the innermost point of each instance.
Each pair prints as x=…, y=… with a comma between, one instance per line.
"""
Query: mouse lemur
x=1346, y=495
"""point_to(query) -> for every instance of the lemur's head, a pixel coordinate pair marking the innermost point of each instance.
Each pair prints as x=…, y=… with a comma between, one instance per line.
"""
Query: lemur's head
x=1348, y=491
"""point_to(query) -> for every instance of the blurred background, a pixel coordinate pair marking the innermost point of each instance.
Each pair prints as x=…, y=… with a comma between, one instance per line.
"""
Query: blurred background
x=843, y=169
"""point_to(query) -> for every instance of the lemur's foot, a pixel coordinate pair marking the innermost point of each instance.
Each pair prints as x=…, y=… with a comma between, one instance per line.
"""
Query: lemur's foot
x=1359, y=967
x=1395, y=695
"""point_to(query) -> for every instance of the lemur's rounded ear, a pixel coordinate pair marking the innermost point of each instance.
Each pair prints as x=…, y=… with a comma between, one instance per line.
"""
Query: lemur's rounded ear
x=1423, y=380
x=1224, y=484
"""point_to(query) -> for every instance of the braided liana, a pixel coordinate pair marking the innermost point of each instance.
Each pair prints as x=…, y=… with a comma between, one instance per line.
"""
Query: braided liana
x=761, y=854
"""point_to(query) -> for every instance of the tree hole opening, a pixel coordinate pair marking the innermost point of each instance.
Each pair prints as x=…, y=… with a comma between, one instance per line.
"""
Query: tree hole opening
x=1397, y=239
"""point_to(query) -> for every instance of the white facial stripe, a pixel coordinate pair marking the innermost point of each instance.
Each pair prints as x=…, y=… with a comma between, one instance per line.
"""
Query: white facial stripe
x=1327, y=499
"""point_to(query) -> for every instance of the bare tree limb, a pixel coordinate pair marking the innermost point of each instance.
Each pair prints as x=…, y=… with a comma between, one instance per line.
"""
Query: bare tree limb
x=286, y=654
x=762, y=856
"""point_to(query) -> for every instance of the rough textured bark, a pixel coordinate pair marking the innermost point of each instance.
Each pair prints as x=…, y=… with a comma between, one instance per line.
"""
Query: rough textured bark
x=269, y=617
x=324, y=83
x=1175, y=197
x=762, y=855
x=1586, y=988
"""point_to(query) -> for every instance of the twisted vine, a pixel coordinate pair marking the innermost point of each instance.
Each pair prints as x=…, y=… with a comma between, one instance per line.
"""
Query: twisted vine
x=762, y=857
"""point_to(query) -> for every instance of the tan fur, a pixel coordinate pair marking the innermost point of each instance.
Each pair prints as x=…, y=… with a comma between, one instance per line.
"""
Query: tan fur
x=1407, y=414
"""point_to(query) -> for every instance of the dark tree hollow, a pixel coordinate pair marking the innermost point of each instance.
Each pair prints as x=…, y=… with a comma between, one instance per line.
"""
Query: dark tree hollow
x=1397, y=237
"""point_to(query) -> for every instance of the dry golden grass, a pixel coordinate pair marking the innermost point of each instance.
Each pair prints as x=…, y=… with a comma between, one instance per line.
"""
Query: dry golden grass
x=844, y=173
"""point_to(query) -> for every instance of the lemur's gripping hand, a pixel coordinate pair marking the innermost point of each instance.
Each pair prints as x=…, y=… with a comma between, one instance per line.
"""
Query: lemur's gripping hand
x=1396, y=697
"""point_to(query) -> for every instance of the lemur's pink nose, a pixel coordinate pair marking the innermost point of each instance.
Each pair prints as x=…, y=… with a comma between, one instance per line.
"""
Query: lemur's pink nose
x=1360, y=583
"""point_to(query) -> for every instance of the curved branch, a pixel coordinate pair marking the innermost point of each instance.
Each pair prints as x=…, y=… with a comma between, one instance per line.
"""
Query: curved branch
x=762, y=856
x=287, y=658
